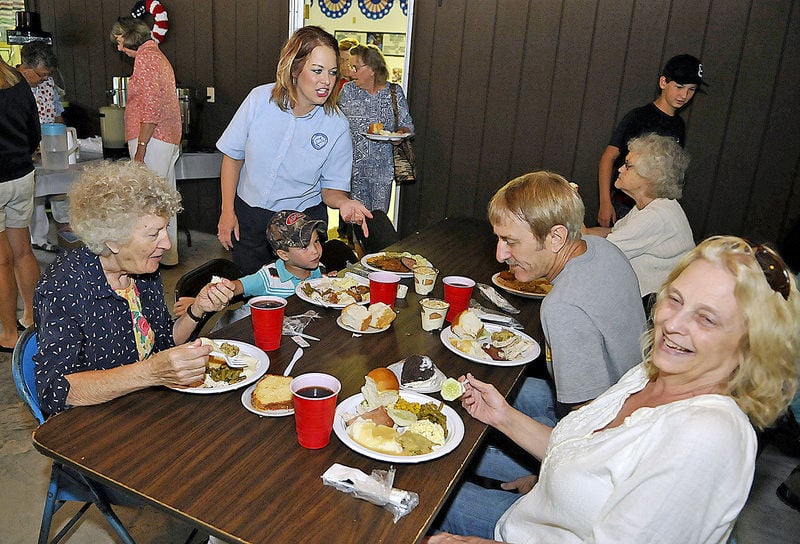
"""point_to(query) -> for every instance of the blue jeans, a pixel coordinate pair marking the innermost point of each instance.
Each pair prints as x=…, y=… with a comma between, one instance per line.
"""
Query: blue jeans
x=476, y=510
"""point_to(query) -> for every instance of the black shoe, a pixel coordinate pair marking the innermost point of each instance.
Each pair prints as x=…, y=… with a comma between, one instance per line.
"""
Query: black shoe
x=789, y=490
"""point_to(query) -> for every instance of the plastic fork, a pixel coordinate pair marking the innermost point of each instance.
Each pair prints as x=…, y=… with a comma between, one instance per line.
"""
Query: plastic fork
x=232, y=362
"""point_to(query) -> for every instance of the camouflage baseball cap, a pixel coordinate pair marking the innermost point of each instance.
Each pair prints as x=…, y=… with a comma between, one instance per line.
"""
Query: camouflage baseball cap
x=290, y=228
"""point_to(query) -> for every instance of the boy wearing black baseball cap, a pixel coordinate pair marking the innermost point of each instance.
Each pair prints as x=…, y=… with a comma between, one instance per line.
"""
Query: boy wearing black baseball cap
x=680, y=79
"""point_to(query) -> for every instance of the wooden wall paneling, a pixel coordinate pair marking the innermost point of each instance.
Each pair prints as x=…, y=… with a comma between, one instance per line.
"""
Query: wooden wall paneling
x=419, y=91
x=686, y=33
x=273, y=32
x=775, y=198
x=748, y=114
x=504, y=90
x=440, y=140
x=710, y=112
x=478, y=59
x=246, y=59
x=536, y=85
x=598, y=115
x=787, y=97
x=569, y=84
x=228, y=95
x=643, y=53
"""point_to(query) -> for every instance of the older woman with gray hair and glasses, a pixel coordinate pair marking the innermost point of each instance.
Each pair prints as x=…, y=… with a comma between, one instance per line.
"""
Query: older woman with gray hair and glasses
x=655, y=234
x=103, y=329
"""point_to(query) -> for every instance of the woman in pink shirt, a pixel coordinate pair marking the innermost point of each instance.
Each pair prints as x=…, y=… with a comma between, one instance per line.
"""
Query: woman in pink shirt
x=152, y=113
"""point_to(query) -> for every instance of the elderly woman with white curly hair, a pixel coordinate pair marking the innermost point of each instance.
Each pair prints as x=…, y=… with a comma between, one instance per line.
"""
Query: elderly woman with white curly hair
x=103, y=328
x=655, y=234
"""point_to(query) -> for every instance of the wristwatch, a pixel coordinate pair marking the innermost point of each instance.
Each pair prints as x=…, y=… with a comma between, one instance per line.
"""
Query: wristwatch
x=192, y=316
x=143, y=144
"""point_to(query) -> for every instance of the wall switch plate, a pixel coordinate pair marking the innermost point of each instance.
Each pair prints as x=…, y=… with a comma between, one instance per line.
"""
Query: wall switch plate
x=210, y=95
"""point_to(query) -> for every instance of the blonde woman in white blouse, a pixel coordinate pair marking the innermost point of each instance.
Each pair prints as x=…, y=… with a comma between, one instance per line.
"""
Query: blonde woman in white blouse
x=668, y=453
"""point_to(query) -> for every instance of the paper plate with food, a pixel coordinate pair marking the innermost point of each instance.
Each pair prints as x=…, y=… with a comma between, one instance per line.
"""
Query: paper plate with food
x=378, y=134
x=488, y=343
x=270, y=396
x=401, y=263
x=396, y=427
x=358, y=319
x=418, y=373
x=333, y=292
x=220, y=377
x=537, y=288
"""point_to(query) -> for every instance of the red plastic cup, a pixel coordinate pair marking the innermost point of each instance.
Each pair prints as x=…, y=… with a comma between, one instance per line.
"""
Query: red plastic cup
x=383, y=287
x=314, y=397
x=267, y=316
x=457, y=291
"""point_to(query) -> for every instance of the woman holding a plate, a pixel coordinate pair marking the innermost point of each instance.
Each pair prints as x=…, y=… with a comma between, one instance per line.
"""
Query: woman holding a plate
x=668, y=453
x=103, y=329
x=366, y=100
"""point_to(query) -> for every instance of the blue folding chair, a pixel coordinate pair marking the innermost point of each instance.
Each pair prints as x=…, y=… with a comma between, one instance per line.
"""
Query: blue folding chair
x=65, y=483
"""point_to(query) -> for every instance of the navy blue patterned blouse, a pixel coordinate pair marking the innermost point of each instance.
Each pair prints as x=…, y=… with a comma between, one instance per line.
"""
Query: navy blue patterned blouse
x=82, y=324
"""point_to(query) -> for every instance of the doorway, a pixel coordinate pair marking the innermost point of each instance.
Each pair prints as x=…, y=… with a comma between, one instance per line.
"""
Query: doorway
x=390, y=28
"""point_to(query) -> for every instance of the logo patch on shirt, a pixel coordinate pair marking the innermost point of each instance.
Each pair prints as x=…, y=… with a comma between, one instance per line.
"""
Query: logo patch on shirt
x=319, y=140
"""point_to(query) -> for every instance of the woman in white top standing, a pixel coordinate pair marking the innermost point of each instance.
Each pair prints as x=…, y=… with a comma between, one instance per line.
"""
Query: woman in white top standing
x=655, y=234
x=668, y=453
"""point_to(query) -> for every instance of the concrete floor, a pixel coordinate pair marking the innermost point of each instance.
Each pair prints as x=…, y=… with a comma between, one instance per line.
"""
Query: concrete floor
x=24, y=473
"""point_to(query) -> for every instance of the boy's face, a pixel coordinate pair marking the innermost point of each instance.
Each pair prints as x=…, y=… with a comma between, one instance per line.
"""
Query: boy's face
x=307, y=257
x=677, y=95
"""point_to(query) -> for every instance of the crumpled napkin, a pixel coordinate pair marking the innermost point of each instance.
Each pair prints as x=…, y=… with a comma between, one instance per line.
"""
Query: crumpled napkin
x=375, y=488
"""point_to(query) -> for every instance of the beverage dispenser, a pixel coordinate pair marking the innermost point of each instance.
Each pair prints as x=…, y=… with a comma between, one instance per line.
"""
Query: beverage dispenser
x=112, y=120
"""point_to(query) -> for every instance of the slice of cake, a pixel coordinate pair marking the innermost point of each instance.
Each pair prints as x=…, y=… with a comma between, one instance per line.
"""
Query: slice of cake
x=272, y=393
x=418, y=371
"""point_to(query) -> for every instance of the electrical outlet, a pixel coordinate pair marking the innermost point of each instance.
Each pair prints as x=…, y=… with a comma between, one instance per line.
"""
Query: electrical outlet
x=210, y=95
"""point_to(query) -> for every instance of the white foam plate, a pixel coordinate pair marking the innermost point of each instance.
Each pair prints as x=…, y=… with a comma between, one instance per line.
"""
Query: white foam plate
x=381, y=253
x=391, y=137
x=527, y=356
x=515, y=291
x=315, y=283
x=370, y=330
x=247, y=401
x=455, y=428
x=262, y=365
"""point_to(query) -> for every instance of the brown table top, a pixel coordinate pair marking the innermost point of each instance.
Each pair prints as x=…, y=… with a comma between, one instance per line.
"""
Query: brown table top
x=243, y=477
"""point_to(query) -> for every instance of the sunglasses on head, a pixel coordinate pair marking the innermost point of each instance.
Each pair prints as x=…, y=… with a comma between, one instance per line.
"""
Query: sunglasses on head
x=774, y=269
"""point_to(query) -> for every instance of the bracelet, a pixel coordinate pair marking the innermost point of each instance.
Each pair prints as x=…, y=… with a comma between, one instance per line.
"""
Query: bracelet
x=143, y=144
x=192, y=316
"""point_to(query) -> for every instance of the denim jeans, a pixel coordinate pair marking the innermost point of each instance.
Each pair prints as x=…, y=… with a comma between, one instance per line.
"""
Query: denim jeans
x=476, y=510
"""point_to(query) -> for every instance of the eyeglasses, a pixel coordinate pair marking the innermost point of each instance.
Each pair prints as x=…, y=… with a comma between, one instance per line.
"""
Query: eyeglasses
x=355, y=68
x=774, y=269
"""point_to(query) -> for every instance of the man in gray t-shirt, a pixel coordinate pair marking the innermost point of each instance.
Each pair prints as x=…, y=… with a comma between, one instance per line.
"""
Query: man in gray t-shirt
x=593, y=316
x=592, y=320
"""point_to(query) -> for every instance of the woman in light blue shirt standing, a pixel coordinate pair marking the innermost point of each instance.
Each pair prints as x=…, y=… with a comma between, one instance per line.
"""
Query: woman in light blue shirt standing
x=287, y=148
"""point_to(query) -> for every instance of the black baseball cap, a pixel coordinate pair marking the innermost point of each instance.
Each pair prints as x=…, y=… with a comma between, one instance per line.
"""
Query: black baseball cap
x=684, y=69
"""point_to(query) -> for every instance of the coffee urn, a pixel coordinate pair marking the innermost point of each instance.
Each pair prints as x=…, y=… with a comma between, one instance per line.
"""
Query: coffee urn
x=112, y=121
x=185, y=101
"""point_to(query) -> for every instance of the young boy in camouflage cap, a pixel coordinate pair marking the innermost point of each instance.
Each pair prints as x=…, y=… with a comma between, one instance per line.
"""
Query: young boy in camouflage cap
x=295, y=238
